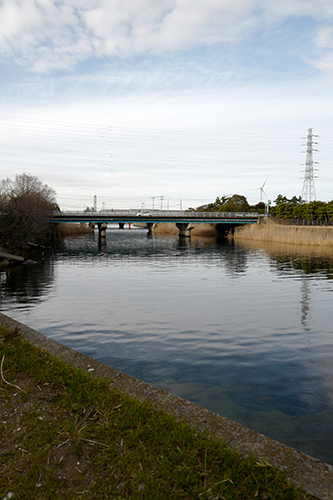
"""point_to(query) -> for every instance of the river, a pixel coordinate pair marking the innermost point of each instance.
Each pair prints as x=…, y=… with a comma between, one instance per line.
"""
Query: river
x=243, y=330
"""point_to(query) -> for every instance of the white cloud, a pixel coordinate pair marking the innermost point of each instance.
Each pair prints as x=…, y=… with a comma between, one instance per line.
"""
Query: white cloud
x=45, y=35
x=126, y=149
x=253, y=94
x=325, y=37
x=325, y=41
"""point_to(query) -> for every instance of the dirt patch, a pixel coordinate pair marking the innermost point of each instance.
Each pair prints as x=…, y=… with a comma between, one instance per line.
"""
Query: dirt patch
x=68, y=461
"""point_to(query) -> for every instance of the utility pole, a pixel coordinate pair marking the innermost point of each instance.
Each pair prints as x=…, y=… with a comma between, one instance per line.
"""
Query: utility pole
x=162, y=198
x=153, y=198
x=309, y=191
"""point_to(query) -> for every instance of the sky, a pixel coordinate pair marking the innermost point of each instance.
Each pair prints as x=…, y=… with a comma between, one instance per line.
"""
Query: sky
x=166, y=103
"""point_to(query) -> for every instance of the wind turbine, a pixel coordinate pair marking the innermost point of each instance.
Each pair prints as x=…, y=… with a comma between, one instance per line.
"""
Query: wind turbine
x=262, y=190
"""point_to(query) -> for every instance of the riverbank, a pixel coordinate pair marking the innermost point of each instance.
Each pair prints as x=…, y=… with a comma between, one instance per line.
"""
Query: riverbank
x=199, y=230
x=71, y=427
x=64, y=230
x=269, y=231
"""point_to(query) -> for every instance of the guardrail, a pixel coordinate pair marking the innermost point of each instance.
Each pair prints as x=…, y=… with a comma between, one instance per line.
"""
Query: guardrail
x=158, y=213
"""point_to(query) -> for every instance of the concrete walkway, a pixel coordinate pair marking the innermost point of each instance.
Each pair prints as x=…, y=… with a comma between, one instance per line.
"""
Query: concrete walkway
x=314, y=476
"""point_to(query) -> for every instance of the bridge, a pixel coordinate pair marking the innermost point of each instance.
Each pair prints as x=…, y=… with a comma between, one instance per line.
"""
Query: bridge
x=184, y=220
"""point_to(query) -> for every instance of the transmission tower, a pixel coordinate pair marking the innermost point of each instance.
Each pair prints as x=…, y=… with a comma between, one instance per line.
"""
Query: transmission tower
x=309, y=191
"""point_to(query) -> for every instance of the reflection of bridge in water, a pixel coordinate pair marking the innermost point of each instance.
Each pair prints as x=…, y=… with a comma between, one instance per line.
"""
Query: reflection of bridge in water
x=183, y=220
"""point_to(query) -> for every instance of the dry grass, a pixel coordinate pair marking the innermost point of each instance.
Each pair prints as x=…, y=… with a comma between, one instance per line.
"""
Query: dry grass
x=269, y=231
x=202, y=230
x=74, y=229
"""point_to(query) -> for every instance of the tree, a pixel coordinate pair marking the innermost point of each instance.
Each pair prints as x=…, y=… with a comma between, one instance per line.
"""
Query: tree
x=286, y=208
x=26, y=206
x=235, y=203
x=212, y=207
x=260, y=208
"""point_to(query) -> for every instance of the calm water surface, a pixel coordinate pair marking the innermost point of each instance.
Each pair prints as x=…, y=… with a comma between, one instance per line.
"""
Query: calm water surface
x=244, y=332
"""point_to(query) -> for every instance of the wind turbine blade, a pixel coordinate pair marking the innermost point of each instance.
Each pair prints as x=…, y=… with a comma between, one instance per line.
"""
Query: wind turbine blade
x=262, y=187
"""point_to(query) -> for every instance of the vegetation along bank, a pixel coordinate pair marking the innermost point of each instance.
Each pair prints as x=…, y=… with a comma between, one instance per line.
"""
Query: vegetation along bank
x=270, y=231
x=291, y=220
x=68, y=434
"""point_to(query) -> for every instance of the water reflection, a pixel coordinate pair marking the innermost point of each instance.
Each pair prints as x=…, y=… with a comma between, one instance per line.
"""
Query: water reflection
x=28, y=284
x=309, y=259
x=305, y=302
x=243, y=330
x=235, y=259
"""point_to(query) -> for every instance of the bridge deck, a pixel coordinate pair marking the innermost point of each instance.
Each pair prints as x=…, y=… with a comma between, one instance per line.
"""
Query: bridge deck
x=130, y=216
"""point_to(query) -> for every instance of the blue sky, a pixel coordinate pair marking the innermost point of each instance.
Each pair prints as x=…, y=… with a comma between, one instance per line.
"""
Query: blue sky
x=188, y=100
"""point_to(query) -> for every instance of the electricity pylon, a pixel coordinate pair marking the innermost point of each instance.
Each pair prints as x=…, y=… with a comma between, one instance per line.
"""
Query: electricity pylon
x=309, y=191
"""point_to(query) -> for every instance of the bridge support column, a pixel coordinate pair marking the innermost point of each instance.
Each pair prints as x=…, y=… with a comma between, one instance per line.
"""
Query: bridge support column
x=121, y=225
x=184, y=228
x=151, y=226
x=101, y=230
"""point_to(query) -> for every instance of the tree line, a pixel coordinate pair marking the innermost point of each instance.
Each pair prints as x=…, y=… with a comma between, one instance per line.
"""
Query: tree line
x=295, y=207
x=284, y=208
x=233, y=203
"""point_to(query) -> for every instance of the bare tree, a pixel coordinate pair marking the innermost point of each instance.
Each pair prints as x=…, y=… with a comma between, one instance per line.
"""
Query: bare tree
x=26, y=206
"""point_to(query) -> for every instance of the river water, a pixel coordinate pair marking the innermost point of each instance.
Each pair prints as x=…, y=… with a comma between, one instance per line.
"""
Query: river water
x=245, y=331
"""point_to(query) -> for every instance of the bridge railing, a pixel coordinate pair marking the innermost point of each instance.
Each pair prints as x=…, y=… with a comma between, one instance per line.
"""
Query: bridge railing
x=159, y=213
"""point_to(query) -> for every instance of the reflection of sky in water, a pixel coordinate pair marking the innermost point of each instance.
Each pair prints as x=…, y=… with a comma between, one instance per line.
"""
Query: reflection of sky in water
x=240, y=331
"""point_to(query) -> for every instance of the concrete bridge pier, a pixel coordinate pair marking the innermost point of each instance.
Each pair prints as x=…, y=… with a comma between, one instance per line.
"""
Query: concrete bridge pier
x=185, y=229
x=101, y=230
x=151, y=226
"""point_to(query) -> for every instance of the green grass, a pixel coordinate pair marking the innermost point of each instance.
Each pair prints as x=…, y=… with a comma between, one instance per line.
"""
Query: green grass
x=70, y=435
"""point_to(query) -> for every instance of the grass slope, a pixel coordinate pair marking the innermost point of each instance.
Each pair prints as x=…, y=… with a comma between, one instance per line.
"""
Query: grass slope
x=65, y=434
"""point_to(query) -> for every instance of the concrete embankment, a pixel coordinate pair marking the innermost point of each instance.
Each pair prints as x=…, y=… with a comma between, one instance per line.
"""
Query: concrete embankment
x=315, y=476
